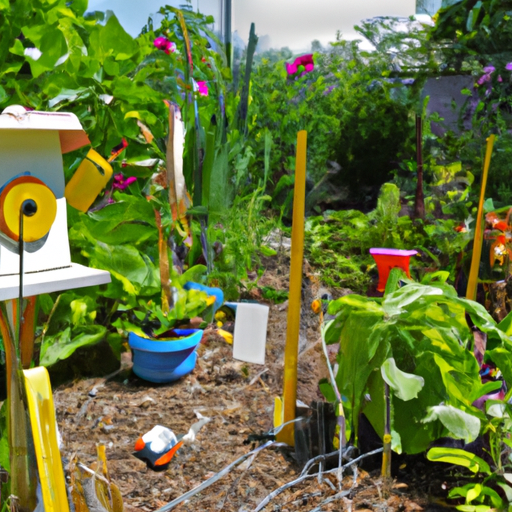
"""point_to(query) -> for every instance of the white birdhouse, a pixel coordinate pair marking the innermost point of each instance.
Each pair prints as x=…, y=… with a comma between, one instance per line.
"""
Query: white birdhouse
x=32, y=179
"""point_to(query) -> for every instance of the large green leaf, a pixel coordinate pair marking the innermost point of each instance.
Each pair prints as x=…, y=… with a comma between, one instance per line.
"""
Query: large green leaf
x=459, y=457
x=460, y=424
x=396, y=301
x=409, y=434
x=53, y=48
x=405, y=386
x=502, y=358
x=344, y=307
x=112, y=39
x=357, y=361
x=126, y=264
x=128, y=221
x=61, y=346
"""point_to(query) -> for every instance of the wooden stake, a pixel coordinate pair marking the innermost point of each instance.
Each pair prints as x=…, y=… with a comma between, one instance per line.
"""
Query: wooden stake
x=286, y=435
x=478, y=240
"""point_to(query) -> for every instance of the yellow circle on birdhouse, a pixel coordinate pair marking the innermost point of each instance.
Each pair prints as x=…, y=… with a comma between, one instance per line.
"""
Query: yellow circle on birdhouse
x=35, y=226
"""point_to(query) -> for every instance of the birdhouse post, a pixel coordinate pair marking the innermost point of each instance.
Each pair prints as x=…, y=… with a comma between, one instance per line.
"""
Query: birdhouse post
x=34, y=259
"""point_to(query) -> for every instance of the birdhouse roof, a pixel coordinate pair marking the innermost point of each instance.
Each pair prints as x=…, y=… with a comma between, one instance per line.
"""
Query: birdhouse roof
x=72, y=135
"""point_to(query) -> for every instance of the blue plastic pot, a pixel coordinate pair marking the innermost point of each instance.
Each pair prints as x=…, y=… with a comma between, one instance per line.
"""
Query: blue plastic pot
x=165, y=361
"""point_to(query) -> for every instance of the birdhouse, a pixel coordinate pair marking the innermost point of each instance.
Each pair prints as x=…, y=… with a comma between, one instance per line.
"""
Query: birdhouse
x=32, y=188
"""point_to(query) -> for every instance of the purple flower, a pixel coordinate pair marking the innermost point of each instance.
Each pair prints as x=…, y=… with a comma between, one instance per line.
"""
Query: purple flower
x=508, y=67
x=162, y=43
x=120, y=182
x=328, y=90
x=483, y=79
x=489, y=69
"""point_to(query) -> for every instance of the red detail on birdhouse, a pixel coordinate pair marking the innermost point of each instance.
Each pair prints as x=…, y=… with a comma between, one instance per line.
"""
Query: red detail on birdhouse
x=388, y=259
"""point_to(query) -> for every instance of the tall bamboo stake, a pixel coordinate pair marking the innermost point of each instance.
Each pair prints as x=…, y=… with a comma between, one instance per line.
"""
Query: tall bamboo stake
x=477, y=242
x=286, y=435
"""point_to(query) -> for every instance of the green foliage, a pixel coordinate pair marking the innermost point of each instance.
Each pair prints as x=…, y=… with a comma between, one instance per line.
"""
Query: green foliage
x=241, y=233
x=147, y=319
x=423, y=328
x=275, y=296
x=357, y=107
x=54, y=58
x=338, y=243
x=75, y=319
x=492, y=491
x=474, y=29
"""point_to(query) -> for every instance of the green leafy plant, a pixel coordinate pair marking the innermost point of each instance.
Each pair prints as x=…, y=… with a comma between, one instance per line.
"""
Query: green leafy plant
x=338, y=242
x=423, y=327
x=147, y=318
x=490, y=486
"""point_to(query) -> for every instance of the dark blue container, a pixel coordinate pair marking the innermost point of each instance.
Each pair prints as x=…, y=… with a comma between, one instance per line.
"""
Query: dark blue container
x=165, y=361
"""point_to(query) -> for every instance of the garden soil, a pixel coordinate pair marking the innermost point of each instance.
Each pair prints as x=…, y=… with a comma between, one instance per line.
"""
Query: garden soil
x=239, y=399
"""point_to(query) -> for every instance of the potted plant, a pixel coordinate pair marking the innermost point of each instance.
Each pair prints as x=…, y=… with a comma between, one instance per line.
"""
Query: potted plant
x=162, y=342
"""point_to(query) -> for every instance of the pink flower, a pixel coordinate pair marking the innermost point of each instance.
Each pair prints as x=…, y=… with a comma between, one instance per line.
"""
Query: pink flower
x=500, y=79
x=306, y=59
x=291, y=69
x=303, y=63
x=162, y=43
x=120, y=182
x=202, y=88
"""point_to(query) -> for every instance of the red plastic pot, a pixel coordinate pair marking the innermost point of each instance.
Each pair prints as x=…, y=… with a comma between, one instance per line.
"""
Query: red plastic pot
x=388, y=259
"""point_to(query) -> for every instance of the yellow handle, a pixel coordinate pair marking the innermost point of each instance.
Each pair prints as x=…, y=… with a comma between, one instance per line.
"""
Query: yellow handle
x=88, y=181
x=42, y=420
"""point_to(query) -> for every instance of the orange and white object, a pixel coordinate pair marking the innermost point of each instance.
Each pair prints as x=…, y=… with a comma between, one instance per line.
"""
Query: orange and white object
x=158, y=446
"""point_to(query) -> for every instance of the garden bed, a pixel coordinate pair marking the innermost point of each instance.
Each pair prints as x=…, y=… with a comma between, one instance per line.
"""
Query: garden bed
x=238, y=397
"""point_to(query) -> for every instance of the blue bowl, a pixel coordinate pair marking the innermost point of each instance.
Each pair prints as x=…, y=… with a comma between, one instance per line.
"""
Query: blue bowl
x=164, y=361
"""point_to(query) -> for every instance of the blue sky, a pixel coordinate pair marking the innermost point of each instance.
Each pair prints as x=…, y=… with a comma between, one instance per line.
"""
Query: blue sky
x=292, y=23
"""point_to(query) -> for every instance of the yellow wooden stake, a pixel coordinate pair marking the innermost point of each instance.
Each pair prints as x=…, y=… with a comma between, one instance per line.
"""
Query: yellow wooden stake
x=286, y=435
x=478, y=240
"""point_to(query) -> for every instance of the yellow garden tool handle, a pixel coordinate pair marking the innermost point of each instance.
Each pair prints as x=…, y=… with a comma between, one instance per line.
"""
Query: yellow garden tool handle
x=478, y=240
x=89, y=180
x=291, y=353
x=42, y=420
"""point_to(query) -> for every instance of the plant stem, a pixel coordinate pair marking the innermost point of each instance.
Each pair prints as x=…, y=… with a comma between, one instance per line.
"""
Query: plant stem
x=386, y=454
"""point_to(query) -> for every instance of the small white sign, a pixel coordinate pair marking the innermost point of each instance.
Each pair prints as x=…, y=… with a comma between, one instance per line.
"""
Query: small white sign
x=250, y=336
